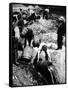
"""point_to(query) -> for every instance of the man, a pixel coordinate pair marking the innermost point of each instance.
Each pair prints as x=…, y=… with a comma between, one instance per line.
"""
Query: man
x=17, y=32
x=42, y=64
x=20, y=24
x=61, y=32
x=28, y=35
x=46, y=13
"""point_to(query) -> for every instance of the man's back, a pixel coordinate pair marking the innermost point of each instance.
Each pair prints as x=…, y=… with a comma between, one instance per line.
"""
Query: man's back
x=62, y=29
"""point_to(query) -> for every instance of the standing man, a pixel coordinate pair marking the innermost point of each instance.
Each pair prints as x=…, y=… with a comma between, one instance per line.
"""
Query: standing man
x=61, y=32
x=46, y=13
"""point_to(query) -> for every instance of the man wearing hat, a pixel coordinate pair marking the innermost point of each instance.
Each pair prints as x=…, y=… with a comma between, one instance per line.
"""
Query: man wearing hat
x=46, y=13
x=61, y=32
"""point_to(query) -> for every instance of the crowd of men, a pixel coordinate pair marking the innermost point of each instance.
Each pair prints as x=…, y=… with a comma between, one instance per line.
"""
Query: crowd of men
x=30, y=49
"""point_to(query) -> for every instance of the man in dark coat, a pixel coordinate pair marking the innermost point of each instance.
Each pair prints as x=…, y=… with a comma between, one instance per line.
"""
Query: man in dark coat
x=61, y=32
x=28, y=35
